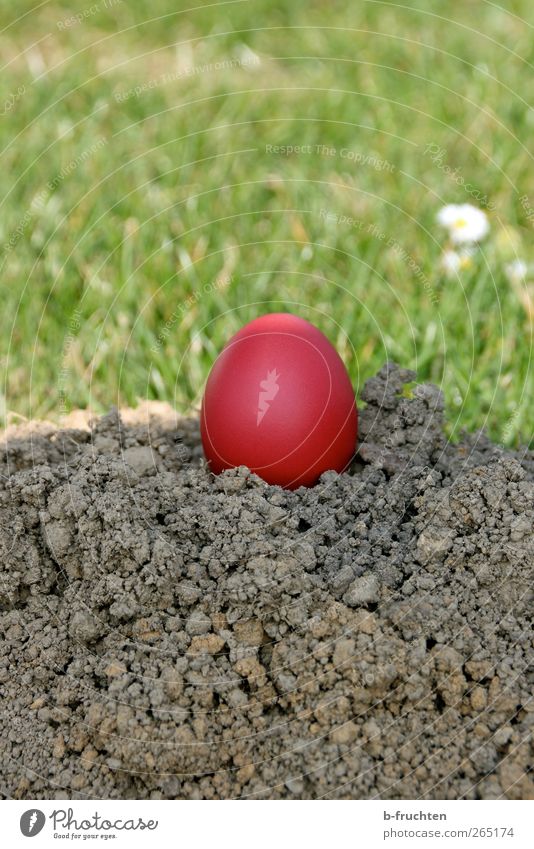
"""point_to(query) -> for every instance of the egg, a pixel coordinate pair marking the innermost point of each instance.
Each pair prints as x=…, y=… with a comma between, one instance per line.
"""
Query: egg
x=279, y=400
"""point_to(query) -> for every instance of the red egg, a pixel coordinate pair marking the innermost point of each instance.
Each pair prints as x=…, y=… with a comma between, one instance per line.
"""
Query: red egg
x=279, y=400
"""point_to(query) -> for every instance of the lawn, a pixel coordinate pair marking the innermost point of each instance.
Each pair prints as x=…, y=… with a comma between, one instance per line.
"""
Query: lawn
x=169, y=173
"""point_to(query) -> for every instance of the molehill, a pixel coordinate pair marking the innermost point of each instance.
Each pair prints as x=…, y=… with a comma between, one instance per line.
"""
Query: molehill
x=169, y=634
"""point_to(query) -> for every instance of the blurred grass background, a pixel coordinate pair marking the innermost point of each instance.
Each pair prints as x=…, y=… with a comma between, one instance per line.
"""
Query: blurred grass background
x=147, y=211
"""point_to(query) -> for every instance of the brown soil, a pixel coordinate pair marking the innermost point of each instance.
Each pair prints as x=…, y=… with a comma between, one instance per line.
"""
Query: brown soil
x=168, y=634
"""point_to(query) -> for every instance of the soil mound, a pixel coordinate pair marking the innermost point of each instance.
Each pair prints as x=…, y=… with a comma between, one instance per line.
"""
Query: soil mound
x=169, y=634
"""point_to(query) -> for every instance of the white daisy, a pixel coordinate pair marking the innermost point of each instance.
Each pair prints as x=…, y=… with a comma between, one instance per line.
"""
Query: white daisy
x=466, y=223
x=452, y=262
x=516, y=271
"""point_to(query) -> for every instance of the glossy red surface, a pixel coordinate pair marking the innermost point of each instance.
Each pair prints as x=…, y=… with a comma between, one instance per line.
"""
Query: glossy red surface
x=279, y=400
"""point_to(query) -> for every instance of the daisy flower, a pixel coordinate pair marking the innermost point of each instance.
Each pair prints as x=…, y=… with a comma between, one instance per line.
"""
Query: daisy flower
x=452, y=262
x=466, y=223
x=516, y=271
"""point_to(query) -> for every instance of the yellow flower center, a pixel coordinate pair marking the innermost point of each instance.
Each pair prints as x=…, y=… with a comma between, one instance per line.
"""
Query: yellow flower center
x=460, y=222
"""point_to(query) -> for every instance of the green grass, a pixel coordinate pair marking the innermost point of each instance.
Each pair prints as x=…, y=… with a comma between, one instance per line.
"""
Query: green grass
x=170, y=219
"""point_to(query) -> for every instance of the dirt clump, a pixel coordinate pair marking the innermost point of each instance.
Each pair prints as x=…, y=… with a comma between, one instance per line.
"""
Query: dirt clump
x=171, y=634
